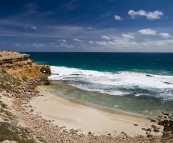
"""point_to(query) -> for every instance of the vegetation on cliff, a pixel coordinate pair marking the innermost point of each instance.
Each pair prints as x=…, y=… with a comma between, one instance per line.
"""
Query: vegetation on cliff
x=18, y=74
x=7, y=81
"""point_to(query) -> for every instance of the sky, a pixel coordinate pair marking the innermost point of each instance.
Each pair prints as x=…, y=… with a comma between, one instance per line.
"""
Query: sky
x=86, y=25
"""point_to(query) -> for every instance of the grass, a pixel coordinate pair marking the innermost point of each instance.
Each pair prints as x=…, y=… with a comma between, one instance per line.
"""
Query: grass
x=13, y=133
x=9, y=131
x=24, y=78
x=7, y=81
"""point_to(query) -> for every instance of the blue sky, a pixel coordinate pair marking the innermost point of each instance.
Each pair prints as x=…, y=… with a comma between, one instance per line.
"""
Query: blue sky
x=86, y=25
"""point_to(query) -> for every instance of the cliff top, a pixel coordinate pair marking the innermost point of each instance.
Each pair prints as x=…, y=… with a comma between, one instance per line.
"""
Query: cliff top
x=9, y=54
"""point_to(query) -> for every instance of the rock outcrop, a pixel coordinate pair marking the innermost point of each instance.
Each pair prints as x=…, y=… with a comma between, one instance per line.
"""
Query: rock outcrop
x=10, y=60
x=19, y=65
x=45, y=69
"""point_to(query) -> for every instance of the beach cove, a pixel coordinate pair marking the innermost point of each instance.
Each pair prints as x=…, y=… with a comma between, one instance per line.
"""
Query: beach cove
x=43, y=110
x=63, y=111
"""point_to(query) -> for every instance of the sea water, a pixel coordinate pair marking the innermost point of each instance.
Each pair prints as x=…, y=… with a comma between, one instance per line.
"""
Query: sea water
x=138, y=83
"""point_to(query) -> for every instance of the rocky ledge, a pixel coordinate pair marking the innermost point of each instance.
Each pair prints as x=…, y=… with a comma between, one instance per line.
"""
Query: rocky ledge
x=20, y=65
x=12, y=60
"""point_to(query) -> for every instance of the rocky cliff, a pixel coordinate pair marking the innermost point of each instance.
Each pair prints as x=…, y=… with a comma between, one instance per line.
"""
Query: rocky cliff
x=19, y=76
x=19, y=65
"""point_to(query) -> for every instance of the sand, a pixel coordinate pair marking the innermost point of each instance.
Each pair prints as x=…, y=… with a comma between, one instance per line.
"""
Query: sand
x=9, y=102
x=70, y=113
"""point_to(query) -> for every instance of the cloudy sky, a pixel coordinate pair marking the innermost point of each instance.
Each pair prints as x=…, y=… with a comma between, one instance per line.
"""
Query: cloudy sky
x=86, y=25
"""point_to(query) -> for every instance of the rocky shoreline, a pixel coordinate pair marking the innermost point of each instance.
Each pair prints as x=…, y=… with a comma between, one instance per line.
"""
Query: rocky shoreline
x=46, y=131
x=20, y=88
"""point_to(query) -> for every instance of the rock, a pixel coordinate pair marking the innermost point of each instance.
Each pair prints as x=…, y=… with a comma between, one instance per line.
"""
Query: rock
x=7, y=141
x=54, y=73
x=167, y=82
x=4, y=92
x=6, y=119
x=149, y=136
x=89, y=133
x=152, y=120
x=124, y=134
x=14, y=122
x=153, y=126
x=149, y=129
x=148, y=75
x=156, y=130
x=45, y=69
x=160, y=116
x=167, y=114
x=168, y=128
x=135, y=124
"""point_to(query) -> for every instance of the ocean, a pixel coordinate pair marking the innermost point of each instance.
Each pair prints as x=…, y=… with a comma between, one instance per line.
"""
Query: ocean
x=135, y=83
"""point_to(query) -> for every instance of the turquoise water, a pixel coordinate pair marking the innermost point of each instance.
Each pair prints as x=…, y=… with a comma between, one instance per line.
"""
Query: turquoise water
x=140, y=83
x=149, y=62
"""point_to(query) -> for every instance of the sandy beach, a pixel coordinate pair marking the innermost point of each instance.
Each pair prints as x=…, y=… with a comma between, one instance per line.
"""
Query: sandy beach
x=70, y=113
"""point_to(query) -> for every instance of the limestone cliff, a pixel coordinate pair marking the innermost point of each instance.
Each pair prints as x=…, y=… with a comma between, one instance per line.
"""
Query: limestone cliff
x=20, y=65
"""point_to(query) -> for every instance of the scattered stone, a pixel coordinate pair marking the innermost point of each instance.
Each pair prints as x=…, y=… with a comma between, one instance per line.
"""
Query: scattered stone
x=149, y=129
x=6, y=119
x=89, y=133
x=156, y=130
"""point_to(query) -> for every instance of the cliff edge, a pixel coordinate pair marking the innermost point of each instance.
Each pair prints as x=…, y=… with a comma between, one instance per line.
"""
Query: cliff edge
x=19, y=65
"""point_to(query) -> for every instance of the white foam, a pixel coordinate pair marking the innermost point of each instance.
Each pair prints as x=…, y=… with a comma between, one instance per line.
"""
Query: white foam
x=102, y=81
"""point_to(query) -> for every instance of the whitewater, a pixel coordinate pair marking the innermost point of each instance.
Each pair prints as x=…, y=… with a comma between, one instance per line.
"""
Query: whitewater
x=116, y=83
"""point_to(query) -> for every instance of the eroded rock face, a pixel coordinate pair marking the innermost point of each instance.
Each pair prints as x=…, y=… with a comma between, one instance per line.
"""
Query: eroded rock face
x=13, y=60
x=21, y=66
x=45, y=69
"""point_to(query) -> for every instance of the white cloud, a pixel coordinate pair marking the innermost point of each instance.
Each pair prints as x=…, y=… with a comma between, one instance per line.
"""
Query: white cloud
x=90, y=28
x=147, y=31
x=75, y=39
x=33, y=27
x=38, y=45
x=64, y=41
x=165, y=35
x=128, y=44
x=129, y=35
x=106, y=37
x=17, y=45
x=149, y=15
x=105, y=43
x=90, y=42
x=117, y=17
x=65, y=45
